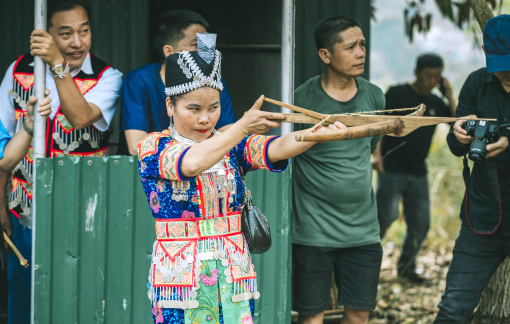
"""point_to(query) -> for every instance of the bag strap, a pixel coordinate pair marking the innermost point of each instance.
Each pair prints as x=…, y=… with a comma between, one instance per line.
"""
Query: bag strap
x=466, y=172
x=247, y=193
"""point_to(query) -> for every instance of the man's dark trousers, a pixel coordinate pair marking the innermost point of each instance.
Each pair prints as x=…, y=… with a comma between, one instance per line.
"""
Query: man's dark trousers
x=475, y=258
x=414, y=190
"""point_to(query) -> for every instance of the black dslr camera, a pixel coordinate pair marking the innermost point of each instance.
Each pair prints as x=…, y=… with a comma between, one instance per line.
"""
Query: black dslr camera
x=483, y=133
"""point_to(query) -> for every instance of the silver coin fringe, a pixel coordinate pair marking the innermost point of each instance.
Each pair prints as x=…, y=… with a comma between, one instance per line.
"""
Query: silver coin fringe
x=185, y=297
x=71, y=141
x=20, y=95
x=191, y=69
x=180, y=190
x=66, y=142
x=19, y=196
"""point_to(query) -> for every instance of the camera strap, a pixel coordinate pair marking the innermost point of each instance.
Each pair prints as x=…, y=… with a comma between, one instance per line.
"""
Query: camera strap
x=491, y=168
x=466, y=172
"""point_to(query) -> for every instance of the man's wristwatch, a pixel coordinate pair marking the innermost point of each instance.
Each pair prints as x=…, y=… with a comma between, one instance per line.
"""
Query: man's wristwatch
x=60, y=70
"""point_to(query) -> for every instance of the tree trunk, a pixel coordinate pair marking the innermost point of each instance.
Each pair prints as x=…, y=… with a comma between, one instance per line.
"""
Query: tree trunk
x=482, y=12
x=494, y=306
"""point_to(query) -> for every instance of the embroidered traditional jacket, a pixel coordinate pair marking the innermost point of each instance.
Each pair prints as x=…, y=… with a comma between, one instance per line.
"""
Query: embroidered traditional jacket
x=61, y=138
x=200, y=248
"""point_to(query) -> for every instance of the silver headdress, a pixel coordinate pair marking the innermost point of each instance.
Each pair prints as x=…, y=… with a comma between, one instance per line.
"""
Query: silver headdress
x=206, y=46
x=187, y=71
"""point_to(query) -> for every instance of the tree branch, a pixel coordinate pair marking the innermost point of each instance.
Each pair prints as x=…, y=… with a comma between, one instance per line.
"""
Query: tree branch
x=482, y=11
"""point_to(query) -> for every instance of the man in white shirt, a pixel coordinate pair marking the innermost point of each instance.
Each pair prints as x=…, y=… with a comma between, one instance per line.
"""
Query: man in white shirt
x=84, y=91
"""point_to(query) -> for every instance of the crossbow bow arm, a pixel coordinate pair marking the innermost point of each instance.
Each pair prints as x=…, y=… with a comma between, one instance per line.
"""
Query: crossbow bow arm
x=389, y=126
x=360, y=124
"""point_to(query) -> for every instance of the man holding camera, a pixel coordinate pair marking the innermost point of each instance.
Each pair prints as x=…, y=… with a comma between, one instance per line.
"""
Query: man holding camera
x=484, y=239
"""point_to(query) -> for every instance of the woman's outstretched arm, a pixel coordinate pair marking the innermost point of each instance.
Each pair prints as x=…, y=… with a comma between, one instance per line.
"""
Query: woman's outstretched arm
x=287, y=147
x=204, y=155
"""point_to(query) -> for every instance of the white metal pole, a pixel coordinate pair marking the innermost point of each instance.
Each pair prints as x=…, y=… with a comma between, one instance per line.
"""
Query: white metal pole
x=39, y=140
x=287, y=59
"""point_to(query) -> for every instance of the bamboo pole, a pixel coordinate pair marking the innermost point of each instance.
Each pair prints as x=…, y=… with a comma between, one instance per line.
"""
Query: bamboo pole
x=22, y=260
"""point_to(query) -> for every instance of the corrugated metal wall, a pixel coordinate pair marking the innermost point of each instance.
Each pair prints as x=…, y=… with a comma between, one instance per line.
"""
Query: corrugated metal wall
x=16, y=24
x=271, y=193
x=93, y=262
x=94, y=235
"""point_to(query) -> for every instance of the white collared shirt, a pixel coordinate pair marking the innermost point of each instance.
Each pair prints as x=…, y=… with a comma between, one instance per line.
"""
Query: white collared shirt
x=104, y=95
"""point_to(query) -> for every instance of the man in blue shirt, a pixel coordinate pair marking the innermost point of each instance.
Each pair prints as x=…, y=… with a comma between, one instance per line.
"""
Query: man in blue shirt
x=143, y=92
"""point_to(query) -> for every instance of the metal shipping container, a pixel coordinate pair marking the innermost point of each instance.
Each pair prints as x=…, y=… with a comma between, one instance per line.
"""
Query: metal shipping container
x=94, y=235
x=94, y=230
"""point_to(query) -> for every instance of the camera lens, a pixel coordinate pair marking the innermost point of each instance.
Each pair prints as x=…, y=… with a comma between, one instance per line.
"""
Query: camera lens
x=476, y=157
x=477, y=150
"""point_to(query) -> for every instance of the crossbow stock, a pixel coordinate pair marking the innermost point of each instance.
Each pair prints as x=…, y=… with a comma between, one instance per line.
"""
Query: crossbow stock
x=361, y=125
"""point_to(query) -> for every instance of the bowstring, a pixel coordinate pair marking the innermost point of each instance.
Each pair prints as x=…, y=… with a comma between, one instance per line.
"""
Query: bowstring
x=382, y=111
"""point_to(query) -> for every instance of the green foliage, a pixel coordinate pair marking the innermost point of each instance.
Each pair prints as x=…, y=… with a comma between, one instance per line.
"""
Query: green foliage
x=446, y=8
x=458, y=11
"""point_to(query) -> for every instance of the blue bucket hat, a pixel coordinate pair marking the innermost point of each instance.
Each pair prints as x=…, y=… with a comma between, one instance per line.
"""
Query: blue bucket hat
x=496, y=40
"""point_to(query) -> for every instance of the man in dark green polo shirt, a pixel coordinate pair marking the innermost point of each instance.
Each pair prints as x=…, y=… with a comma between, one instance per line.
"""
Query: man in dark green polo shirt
x=334, y=214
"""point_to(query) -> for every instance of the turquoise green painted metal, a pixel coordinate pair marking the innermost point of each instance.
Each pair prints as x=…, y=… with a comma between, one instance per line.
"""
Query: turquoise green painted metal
x=94, y=236
x=272, y=194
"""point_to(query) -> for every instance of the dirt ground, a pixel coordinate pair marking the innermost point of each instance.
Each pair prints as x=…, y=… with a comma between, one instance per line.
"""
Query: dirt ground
x=401, y=301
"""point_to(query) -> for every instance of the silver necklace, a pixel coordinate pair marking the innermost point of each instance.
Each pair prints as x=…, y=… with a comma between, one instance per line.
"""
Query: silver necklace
x=223, y=175
x=189, y=142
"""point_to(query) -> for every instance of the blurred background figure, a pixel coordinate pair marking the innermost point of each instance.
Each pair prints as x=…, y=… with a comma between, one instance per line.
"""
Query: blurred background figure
x=401, y=163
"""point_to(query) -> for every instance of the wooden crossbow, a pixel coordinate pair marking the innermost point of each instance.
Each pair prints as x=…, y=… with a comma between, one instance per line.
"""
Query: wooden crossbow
x=361, y=125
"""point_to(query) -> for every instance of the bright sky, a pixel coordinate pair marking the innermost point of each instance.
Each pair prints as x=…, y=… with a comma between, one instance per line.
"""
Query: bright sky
x=393, y=57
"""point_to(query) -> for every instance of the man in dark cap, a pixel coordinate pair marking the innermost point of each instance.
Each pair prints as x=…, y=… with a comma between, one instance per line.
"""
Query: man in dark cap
x=484, y=239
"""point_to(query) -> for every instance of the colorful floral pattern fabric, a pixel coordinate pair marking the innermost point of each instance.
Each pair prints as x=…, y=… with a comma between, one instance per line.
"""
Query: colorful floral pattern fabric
x=159, y=169
x=159, y=166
